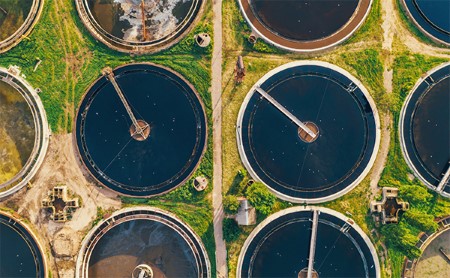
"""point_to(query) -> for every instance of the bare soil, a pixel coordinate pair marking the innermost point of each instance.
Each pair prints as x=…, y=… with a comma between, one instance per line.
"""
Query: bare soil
x=61, y=166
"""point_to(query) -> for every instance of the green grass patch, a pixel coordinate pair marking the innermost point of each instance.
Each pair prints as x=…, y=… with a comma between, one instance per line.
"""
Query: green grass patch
x=371, y=29
x=369, y=69
x=396, y=260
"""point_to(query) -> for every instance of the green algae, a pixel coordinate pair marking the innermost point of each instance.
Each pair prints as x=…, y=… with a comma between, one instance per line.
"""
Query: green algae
x=17, y=132
x=13, y=14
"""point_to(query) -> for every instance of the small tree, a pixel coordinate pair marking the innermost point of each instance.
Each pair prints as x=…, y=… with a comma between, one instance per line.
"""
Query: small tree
x=230, y=204
x=260, y=198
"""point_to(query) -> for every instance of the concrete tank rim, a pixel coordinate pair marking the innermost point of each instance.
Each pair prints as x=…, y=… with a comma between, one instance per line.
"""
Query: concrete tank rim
x=340, y=70
x=294, y=209
x=402, y=116
x=187, y=82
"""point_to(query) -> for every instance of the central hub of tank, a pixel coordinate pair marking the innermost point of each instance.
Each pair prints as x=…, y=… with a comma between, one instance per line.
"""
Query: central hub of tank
x=142, y=271
x=305, y=136
x=140, y=132
x=304, y=273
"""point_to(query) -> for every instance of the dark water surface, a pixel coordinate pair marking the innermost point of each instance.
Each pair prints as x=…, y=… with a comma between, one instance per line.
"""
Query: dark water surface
x=431, y=128
x=136, y=242
x=346, y=133
x=433, y=16
x=281, y=249
x=177, y=138
x=19, y=255
x=437, y=12
x=427, y=126
x=304, y=20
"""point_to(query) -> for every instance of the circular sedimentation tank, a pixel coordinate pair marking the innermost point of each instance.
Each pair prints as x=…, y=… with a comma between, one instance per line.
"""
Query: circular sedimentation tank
x=431, y=17
x=425, y=129
x=131, y=240
x=139, y=26
x=20, y=252
x=305, y=26
x=286, y=242
x=17, y=19
x=172, y=133
x=24, y=132
x=331, y=154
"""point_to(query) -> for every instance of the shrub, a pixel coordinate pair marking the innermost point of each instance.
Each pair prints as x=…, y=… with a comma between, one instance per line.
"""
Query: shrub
x=181, y=194
x=415, y=194
x=400, y=238
x=423, y=221
x=260, y=198
x=230, y=204
x=231, y=230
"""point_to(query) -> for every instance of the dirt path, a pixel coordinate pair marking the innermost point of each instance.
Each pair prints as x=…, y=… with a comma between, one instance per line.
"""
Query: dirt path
x=388, y=24
x=378, y=167
x=61, y=167
x=216, y=91
x=389, y=29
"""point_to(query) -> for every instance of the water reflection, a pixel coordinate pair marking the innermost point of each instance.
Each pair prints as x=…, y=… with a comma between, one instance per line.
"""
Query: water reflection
x=17, y=132
x=124, y=19
x=137, y=242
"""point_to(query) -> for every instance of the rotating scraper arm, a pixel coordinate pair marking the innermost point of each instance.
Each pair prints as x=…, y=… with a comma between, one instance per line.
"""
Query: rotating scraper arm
x=288, y=114
x=139, y=129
